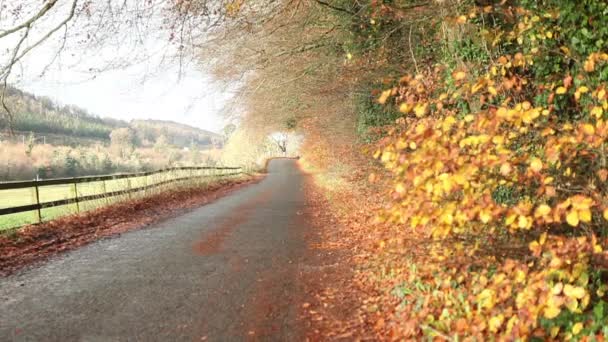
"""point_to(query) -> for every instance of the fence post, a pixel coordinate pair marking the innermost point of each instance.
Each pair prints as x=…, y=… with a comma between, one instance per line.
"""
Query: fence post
x=38, y=202
x=76, y=196
x=129, y=188
x=105, y=191
x=146, y=190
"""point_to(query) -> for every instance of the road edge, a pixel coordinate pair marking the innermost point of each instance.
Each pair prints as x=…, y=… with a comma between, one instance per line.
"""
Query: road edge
x=32, y=246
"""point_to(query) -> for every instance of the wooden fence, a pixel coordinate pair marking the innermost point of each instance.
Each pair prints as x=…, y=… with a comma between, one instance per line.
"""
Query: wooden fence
x=150, y=180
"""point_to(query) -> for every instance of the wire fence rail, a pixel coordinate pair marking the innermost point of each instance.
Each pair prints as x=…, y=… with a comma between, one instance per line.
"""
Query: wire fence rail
x=37, y=195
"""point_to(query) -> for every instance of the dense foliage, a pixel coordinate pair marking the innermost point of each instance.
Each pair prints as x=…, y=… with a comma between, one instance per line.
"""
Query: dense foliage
x=503, y=144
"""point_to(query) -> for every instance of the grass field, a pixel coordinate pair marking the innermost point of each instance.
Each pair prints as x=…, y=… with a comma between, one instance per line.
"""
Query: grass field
x=20, y=197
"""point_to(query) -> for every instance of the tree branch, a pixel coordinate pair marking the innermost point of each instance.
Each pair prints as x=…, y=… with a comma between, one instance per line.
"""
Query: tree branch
x=47, y=7
x=46, y=36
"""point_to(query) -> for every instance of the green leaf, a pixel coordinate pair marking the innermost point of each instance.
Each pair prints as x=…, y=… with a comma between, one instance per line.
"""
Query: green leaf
x=599, y=311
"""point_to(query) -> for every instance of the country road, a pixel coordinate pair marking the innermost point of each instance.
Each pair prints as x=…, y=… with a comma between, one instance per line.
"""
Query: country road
x=223, y=272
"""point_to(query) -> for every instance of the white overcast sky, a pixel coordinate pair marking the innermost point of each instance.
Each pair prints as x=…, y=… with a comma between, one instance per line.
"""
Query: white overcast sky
x=148, y=88
x=133, y=93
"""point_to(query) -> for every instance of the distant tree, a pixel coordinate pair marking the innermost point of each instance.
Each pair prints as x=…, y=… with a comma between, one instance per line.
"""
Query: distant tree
x=123, y=140
x=161, y=143
x=229, y=130
x=123, y=136
x=195, y=154
x=291, y=123
x=281, y=140
x=29, y=147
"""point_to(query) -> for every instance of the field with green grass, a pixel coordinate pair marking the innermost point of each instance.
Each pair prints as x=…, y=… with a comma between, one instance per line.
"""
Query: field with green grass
x=27, y=196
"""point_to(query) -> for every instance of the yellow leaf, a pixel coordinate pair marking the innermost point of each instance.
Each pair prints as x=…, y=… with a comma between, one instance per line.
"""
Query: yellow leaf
x=577, y=328
x=498, y=140
x=588, y=129
x=523, y=222
x=561, y=90
x=543, y=238
x=405, y=108
x=511, y=218
x=542, y=210
x=597, y=112
x=384, y=96
x=520, y=276
x=495, y=322
x=535, y=247
x=601, y=94
x=505, y=169
x=447, y=218
x=557, y=289
x=585, y=301
x=420, y=109
x=572, y=218
x=486, y=298
x=589, y=65
x=585, y=215
x=536, y=165
x=459, y=75
x=462, y=19
x=576, y=292
x=549, y=34
x=400, y=189
x=485, y=216
x=605, y=214
x=551, y=312
x=554, y=331
x=492, y=90
x=583, y=90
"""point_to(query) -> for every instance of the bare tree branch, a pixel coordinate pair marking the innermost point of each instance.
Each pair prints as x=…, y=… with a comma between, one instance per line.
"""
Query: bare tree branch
x=41, y=40
x=28, y=23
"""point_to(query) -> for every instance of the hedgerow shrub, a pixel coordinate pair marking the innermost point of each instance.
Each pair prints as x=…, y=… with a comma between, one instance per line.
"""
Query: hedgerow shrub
x=508, y=138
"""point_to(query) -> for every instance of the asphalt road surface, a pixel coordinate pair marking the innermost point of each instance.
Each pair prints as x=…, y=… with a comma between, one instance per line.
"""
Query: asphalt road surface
x=223, y=272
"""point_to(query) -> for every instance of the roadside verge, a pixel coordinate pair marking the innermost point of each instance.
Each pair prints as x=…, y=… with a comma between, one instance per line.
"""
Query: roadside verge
x=33, y=244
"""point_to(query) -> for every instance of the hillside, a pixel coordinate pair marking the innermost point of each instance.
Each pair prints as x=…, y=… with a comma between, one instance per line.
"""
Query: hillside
x=66, y=124
x=181, y=135
x=42, y=115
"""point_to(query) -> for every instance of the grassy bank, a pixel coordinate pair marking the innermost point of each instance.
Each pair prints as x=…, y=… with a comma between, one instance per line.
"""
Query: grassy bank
x=22, y=197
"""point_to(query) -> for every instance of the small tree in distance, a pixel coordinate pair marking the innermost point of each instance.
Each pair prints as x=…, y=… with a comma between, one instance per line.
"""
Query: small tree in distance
x=123, y=141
